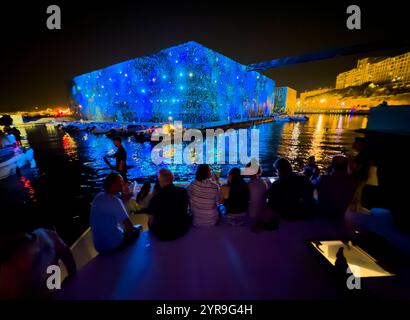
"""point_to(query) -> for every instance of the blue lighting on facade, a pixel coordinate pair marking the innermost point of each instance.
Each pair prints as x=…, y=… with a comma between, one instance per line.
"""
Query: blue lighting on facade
x=190, y=81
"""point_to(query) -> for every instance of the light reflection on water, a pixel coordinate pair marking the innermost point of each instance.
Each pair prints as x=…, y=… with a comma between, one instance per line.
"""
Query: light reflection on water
x=322, y=136
x=71, y=166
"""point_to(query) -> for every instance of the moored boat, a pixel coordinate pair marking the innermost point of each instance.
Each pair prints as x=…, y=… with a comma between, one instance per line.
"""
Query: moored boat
x=13, y=158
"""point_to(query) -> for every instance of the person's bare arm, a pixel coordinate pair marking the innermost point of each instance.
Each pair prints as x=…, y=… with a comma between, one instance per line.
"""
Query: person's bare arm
x=121, y=165
x=129, y=229
x=223, y=194
x=218, y=196
x=126, y=194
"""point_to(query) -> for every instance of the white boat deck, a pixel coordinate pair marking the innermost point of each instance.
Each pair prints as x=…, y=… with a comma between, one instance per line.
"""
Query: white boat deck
x=226, y=262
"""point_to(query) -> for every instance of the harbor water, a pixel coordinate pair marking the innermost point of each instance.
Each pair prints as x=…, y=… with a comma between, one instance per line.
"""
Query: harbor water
x=70, y=167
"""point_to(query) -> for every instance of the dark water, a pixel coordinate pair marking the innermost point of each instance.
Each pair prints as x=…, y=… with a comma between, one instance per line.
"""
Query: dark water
x=70, y=168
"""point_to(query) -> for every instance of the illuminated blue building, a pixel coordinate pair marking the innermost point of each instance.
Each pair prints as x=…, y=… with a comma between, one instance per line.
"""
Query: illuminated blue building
x=188, y=82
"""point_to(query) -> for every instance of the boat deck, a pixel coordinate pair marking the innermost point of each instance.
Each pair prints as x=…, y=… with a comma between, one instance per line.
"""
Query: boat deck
x=226, y=262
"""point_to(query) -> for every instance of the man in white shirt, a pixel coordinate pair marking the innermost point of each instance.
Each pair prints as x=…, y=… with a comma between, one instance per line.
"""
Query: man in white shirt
x=108, y=214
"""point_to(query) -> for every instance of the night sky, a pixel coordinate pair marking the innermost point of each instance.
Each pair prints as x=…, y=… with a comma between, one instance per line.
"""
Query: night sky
x=38, y=63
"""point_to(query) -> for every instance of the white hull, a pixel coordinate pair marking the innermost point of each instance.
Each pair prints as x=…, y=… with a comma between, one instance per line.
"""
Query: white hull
x=19, y=160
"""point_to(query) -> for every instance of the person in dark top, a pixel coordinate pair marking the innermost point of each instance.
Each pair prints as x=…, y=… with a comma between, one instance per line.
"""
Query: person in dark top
x=144, y=197
x=235, y=198
x=311, y=170
x=169, y=209
x=336, y=190
x=291, y=196
x=120, y=158
x=359, y=168
x=360, y=164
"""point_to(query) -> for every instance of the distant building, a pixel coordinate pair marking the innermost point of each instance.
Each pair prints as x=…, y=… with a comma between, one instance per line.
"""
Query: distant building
x=311, y=93
x=188, y=82
x=285, y=100
x=376, y=70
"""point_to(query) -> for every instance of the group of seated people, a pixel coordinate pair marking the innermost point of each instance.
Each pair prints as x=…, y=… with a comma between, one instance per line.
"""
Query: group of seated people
x=247, y=199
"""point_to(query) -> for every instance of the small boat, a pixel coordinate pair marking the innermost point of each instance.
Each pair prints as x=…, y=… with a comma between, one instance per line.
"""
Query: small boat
x=97, y=129
x=71, y=128
x=299, y=118
x=142, y=136
x=282, y=119
x=13, y=158
x=290, y=118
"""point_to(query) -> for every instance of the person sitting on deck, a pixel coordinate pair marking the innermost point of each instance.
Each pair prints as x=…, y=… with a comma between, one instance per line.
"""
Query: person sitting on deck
x=336, y=190
x=204, y=198
x=107, y=213
x=25, y=258
x=169, y=209
x=260, y=215
x=291, y=196
x=144, y=197
x=311, y=170
x=235, y=198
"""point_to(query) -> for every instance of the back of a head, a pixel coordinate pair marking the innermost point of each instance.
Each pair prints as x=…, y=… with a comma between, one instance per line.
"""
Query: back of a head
x=202, y=172
x=311, y=160
x=283, y=166
x=117, y=139
x=236, y=182
x=235, y=174
x=165, y=177
x=238, y=189
x=340, y=164
x=110, y=181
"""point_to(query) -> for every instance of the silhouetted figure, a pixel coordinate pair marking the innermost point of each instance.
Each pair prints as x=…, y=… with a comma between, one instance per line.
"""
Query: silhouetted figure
x=169, y=209
x=120, y=158
x=336, y=190
x=311, y=170
x=341, y=262
x=341, y=266
x=291, y=195
x=235, y=198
